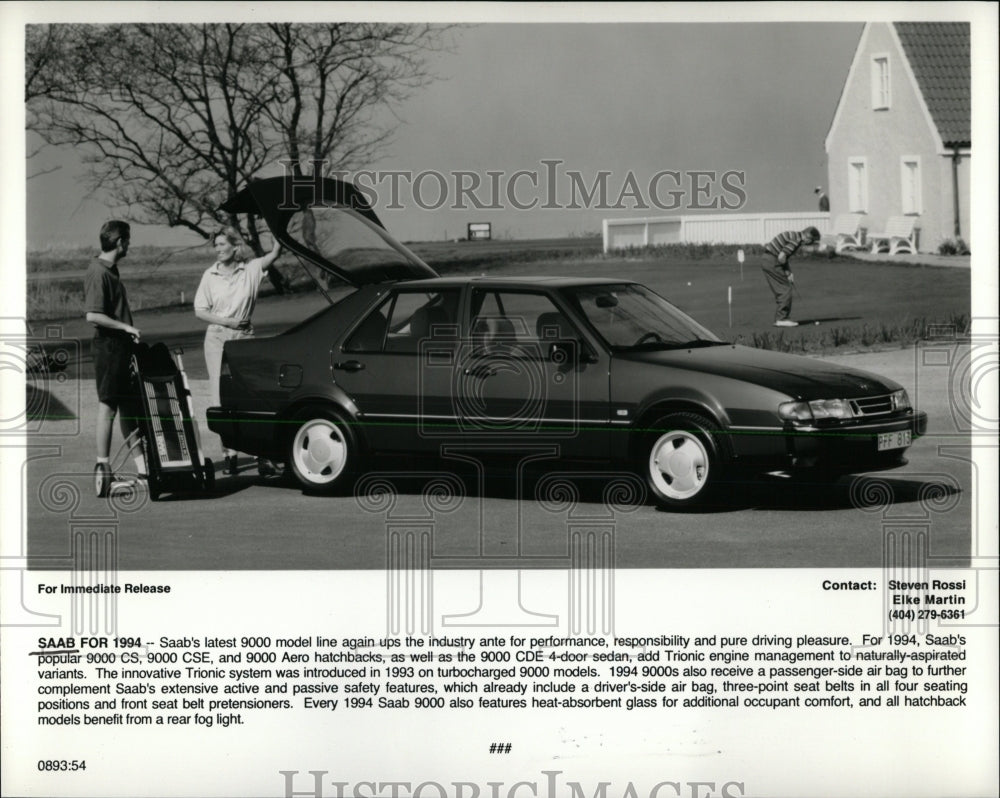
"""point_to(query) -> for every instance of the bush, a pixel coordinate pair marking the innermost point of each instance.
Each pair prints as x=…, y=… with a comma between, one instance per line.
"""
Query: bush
x=953, y=246
x=863, y=337
x=688, y=251
x=722, y=252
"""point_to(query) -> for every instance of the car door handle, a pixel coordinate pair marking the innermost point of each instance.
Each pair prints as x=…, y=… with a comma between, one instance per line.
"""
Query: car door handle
x=349, y=365
x=480, y=371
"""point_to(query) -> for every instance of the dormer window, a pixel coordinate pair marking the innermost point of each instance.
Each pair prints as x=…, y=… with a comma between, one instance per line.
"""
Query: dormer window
x=881, y=95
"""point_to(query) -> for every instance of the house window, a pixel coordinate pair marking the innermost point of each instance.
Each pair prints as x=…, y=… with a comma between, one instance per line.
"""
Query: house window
x=912, y=199
x=857, y=185
x=880, y=82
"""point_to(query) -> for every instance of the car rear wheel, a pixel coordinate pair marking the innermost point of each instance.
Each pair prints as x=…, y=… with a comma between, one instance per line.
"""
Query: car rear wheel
x=322, y=452
x=681, y=460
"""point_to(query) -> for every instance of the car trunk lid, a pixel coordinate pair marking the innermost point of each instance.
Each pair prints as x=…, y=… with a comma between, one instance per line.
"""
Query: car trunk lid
x=329, y=224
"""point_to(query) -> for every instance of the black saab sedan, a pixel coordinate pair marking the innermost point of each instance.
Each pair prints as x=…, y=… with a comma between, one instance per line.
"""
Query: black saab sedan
x=409, y=362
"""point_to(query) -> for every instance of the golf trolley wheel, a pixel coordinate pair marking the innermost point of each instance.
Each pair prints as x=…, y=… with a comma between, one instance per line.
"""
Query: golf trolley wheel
x=102, y=480
x=208, y=484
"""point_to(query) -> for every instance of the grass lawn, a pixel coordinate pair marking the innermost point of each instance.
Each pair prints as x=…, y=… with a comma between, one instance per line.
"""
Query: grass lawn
x=859, y=304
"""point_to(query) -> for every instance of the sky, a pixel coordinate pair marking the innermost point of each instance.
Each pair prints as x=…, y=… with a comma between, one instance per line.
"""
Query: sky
x=753, y=98
x=619, y=98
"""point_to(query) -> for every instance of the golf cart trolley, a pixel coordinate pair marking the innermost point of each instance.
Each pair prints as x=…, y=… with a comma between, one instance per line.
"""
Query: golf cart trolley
x=166, y=431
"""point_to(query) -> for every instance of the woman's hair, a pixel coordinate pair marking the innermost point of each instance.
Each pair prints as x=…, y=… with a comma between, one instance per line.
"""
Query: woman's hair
x=233, y=236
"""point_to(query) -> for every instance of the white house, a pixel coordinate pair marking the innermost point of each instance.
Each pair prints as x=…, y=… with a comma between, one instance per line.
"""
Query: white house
x=900, y=142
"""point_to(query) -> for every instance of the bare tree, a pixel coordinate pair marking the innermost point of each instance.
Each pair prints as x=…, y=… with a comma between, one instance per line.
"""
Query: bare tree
x=47, y=69
x=173, y=118
x=339, y=85
x=161, y=117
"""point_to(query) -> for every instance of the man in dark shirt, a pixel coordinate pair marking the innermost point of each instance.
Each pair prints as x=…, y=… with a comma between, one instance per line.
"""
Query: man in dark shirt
x=778, y=271
x=107, y=308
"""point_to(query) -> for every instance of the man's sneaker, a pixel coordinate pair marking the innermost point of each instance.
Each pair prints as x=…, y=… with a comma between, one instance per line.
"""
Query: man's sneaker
x=786, y=323
x=266, y=468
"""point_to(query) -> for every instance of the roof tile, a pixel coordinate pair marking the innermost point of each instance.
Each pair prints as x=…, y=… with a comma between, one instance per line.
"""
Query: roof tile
x=940, y=57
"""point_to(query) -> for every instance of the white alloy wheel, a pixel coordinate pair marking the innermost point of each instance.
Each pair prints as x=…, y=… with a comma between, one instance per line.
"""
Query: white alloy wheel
x=679, y=465
x=319, y=452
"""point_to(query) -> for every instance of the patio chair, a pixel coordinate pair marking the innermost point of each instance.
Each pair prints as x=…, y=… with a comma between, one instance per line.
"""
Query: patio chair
x=899, y=236
x=847, y=231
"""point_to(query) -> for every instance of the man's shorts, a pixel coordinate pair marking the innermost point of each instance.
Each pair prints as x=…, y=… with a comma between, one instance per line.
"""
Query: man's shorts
x=111, y=369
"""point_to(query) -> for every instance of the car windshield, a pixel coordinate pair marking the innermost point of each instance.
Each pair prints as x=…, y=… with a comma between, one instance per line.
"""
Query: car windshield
x=348, y=240
x=631, y=317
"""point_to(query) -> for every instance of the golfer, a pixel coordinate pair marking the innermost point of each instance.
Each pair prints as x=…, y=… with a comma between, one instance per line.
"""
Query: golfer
x=778, y=270
x=225, y=299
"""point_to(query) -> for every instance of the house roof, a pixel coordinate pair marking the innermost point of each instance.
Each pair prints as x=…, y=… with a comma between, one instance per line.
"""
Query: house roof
x=939, y=54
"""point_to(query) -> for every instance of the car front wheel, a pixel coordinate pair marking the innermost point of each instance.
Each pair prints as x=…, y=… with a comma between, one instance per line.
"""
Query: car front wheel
x=682, y=460
x=322, y=452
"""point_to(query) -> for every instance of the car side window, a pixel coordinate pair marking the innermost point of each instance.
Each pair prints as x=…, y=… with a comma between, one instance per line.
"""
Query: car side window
x=522, y=322
x=370, y=334
x=406, y=320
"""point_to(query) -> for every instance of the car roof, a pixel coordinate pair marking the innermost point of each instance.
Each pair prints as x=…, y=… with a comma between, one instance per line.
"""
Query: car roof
x=514, y=282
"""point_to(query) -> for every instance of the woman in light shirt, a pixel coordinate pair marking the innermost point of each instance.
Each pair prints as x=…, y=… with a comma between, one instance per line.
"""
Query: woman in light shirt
x=225, y=299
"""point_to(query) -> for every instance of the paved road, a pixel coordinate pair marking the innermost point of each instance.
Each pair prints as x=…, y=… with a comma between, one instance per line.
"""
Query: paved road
x=500, y=519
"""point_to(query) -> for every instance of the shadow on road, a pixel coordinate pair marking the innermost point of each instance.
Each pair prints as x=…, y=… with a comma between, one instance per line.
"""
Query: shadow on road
x=827, y=320
x=437, y=479
x=868, y=493
x=41, y=405
x=223, y=487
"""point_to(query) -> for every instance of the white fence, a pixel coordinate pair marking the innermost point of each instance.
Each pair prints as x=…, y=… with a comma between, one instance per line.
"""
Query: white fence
x=728, y=228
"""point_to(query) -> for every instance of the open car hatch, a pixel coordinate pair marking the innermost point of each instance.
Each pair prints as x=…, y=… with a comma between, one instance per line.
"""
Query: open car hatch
x=330, y=224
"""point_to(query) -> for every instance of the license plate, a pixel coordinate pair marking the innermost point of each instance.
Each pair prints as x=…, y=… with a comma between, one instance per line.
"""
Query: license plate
x=894, y=440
